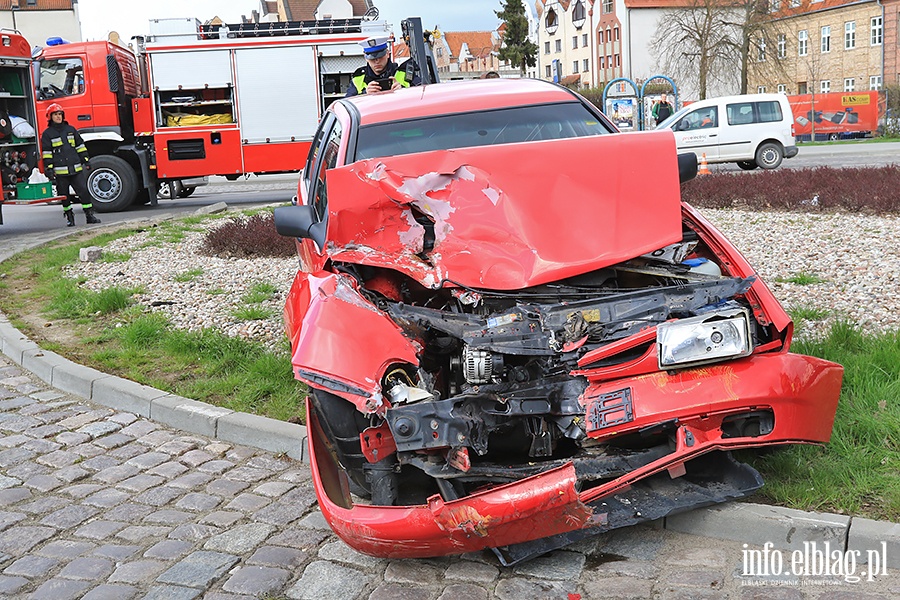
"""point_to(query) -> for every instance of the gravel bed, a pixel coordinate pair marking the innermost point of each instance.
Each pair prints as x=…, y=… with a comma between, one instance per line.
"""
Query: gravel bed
x=856, y=258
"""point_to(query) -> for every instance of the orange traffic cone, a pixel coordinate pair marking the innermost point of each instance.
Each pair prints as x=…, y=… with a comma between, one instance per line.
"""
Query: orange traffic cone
x=703, y=169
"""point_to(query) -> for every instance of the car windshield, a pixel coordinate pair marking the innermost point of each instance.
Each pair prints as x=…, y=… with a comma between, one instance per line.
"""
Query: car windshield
x=485, y=128
x=668, y=122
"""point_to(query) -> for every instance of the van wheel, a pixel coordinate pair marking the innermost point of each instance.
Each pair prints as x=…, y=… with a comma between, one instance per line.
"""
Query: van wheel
x=769, y=155
x=186, y=191
x=112, y=182
x=747, y=165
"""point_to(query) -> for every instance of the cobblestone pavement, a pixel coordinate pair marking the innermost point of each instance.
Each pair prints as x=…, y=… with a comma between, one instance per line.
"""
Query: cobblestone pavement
x=101, y=504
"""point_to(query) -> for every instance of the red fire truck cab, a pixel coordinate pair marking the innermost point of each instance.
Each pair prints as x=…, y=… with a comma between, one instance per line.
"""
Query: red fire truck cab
x=199, y=100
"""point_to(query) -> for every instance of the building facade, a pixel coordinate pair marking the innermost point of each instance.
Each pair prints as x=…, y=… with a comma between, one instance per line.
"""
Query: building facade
x=38, y=20
x=821, y=46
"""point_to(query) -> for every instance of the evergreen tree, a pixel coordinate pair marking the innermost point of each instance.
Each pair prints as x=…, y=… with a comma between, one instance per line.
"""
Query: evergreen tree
x=516, y=48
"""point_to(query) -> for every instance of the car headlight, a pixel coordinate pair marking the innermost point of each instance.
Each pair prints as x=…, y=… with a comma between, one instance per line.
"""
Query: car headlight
x=708, y=338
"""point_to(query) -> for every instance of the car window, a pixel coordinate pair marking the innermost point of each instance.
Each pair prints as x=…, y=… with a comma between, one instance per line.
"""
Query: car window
x=700, y=118
x=740, y=114
x=329, y=160
x=769, y=111
x=315, y=147
x=60, y=77
x=485, y=128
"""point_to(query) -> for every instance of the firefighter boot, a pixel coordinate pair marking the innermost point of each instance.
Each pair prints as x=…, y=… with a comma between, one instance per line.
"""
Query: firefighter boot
x=90, y=217
x=70, y=218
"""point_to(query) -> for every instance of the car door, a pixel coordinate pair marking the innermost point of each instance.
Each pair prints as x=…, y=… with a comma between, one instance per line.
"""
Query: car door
x=698, y=132
x=740, y=133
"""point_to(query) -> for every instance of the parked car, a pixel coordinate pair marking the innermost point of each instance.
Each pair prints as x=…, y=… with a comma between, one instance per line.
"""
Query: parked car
x=513, y=332
x=752, y=130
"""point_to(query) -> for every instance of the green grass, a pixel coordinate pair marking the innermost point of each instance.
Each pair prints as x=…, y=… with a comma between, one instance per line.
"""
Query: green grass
x=189, y=275
x=259, y=293
x=801, y=279
x=802, y=314
x=858, y=471
x=251, y=313
x=114, y=257
x=216, y=291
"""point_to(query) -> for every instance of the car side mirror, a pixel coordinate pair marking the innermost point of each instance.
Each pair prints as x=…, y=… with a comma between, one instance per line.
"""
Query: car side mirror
x=300, y=221
x=687, y=166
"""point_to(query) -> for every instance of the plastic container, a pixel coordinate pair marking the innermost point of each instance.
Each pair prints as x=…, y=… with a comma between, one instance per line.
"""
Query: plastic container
x=34, y=191
x=703, y=265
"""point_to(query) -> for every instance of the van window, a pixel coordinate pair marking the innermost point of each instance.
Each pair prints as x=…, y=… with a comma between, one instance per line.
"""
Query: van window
x=701, y=118
x=745, y=113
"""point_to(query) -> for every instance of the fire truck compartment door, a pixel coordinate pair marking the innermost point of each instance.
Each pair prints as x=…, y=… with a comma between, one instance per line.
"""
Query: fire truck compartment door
x=191, y=70
x=277, y=93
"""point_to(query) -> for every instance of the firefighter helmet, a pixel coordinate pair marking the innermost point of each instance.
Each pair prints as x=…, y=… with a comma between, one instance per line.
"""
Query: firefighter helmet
x=54, y=108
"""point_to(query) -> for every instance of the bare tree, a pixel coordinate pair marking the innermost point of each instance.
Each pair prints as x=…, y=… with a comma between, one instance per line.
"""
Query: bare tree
x=700, y=43
x=763, y=43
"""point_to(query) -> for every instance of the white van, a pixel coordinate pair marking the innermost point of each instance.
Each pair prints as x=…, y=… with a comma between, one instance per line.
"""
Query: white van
x=753, y=130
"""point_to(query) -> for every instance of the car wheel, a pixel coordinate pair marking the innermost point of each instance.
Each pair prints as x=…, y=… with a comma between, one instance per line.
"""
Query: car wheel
x=769, y=155
x=833, y=137
x=165, y=191
x=186, y=191
x=342, y=424
x=747, y=165
x=112, y=182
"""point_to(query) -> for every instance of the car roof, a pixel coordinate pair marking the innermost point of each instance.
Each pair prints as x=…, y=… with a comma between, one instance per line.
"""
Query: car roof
x=456, y=97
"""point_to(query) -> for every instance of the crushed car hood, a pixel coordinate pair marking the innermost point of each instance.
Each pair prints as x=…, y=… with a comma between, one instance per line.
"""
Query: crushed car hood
x=507, y=217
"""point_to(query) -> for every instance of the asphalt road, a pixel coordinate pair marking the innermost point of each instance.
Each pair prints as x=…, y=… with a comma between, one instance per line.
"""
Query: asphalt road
x=847, y=154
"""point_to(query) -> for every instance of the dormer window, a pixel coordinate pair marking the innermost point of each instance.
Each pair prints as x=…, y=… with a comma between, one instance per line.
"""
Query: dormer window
x=578, y=15
x=551, y=21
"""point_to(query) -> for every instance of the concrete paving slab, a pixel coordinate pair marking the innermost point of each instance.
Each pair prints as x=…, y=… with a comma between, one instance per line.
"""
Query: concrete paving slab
x=262, y=432
x=879, y=540
x=76, y=379
x=126, y=395
x=187, y=415
x=757, y=524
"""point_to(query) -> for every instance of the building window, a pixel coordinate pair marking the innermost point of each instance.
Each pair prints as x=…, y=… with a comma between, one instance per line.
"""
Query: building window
x=602, y=62
x=782, y=89
x=584, y=40
x=849, y=35
x=875, y=82
x=559, y=45
x=546, y=47
x=585, y=66
x=761, y=50
x=547, y=71
x=826, y=38
x=774, y=6
x=802, y=88
x=782, y=45
x=760, y=89
x=876, y=31
x=617, y=34
x=578, y=14
x=574, y=66
x=574, y=42
x=552, y=21
x=607, y=6
x=825, y=86
x=802, y=39
x=849, y=84
x=618, y=60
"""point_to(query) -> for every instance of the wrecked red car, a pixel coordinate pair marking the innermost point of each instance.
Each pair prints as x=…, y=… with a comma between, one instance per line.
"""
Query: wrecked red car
x=515, y=334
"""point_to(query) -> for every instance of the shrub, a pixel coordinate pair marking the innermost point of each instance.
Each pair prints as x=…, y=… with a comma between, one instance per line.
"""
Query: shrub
x=248, y=237
x=823, y=188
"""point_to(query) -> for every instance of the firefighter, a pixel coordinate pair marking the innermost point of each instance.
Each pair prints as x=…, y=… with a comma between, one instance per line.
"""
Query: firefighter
x=66, y=163
x=379, y=67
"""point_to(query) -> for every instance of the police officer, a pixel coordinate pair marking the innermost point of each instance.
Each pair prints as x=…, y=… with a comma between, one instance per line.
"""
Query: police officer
x=379, y=67
x=66, y=162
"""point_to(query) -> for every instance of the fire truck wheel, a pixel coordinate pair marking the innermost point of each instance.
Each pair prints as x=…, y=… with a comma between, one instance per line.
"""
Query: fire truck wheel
x=112, y=183
x=166, y=193
x=187, y=191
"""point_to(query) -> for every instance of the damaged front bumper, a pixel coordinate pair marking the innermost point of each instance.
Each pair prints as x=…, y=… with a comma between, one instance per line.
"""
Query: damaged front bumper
x=760, y=400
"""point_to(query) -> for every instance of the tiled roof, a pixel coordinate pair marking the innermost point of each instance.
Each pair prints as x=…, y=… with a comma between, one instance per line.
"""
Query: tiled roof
x=39, y=5
x=401, y=50
x=480, y=43
x=305, y=10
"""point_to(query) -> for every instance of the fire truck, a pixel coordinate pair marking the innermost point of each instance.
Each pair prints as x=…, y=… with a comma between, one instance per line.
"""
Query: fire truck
x=18, y=153
x=198, y=100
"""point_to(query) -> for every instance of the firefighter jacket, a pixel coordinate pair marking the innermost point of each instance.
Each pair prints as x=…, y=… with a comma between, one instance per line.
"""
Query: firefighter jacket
x=64, y=152
x=401, y=73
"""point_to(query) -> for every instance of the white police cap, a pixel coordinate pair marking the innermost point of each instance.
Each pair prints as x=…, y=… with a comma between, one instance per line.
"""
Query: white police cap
x=375, y=46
